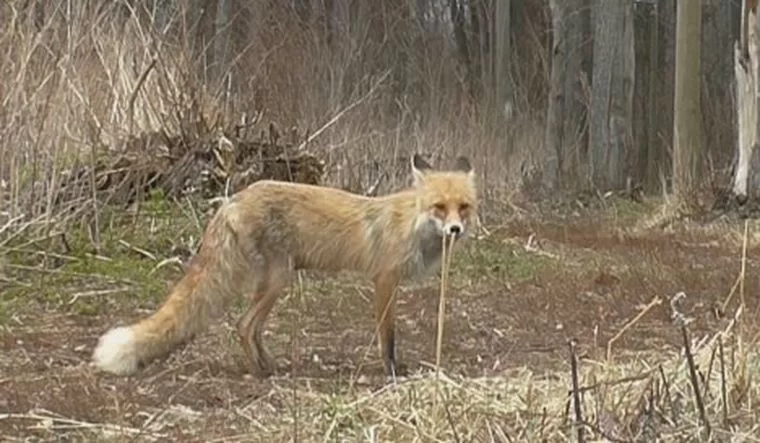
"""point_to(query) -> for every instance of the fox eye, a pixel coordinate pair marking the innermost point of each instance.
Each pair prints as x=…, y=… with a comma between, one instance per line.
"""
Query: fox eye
x=464, y=207
x=440, y=207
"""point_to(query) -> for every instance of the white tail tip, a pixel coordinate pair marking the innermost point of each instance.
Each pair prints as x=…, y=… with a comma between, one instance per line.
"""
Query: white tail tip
x=116, y=351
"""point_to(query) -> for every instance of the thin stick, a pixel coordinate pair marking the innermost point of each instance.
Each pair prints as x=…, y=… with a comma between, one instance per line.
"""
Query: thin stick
x=342, y=112
x=731, y=293
x=739, y=283
x=294, y=350
x=139, y=250
x=42, y=415
x=450, y=420
x=136, y=90
x=666, y=385
x=723, y=393
x=694, y=380
x=655, y=301
x=706, y=378
x=445, y=262
x=743, y=273
x=580, y=428
x=376, y=335
x=97, y=292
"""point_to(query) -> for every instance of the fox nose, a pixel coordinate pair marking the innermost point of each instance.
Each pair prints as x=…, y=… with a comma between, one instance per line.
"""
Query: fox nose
x=455, y=229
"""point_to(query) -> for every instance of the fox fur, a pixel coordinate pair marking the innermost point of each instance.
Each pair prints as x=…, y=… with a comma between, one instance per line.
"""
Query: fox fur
x=269, y=229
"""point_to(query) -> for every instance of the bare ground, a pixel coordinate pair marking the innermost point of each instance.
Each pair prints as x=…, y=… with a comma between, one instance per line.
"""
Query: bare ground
x=513, y=304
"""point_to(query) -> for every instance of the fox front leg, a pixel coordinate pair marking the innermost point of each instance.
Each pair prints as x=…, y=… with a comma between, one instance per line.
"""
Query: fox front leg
x=385, y=312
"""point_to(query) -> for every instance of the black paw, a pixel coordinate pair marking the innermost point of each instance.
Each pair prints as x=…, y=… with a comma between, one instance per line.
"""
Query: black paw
x=395, y=369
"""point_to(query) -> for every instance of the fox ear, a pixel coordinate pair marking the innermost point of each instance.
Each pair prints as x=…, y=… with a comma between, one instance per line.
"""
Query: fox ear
x=419, y=167
x=463, y=164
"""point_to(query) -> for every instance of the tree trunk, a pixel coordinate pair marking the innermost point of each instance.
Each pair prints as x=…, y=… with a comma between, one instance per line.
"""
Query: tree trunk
x=503, y=60
x=687, y=118
x=721, y=21
x=565, y=132
x=612, y=93
x=460, y=34
x=658, y=163
x=746, y=71
x=645, y=121
x=480, y=44
x=222, y=27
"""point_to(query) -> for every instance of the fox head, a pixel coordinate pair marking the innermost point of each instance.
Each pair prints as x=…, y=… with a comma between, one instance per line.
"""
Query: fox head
x=446, y=199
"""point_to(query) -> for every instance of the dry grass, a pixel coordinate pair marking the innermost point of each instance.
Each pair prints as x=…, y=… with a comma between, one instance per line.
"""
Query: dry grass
x=648, y=398
x=641, y=400
x=645, y=399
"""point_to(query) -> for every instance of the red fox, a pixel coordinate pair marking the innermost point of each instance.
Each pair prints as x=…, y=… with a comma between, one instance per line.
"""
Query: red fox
x=264, y=232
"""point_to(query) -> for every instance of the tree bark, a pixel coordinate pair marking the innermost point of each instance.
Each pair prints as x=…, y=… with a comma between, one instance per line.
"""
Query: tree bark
x=645, y=116
x=565, y=133
x=503, y=60
x=612, y=93
x=746, y=70
x=658, y=161
x=480, y=45
x=687, y=118
x=458, y=19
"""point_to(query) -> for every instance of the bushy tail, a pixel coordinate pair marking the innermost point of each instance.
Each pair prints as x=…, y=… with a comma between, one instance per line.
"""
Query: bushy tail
x=213, y=278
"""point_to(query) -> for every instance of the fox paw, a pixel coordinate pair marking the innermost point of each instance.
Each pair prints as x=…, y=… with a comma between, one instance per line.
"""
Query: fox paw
x=394, y=369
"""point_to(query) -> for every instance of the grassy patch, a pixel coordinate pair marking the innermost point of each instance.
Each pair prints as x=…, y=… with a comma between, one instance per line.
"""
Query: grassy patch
x=495, y=260
x=74, y=272
x=6, y=308
x=626, y=209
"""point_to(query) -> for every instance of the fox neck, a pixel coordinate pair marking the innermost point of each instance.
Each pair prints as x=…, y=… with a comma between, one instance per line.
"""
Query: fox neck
x=426, y=248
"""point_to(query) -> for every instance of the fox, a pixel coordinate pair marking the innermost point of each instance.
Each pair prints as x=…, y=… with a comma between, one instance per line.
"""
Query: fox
x=264, y=232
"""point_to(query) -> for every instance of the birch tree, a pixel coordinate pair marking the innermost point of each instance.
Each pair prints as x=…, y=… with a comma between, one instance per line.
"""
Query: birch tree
x=746, y=71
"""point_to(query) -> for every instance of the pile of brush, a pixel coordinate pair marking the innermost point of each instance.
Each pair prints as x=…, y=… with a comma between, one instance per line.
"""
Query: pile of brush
x=208, y=163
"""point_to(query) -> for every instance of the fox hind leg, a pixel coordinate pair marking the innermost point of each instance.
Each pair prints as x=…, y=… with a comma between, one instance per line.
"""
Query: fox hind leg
x=251, y=324
x=243, y=326
x=250, y=327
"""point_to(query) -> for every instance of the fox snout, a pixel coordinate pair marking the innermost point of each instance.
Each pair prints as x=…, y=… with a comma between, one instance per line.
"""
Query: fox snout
x=454, y=228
